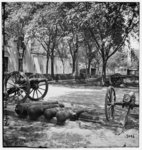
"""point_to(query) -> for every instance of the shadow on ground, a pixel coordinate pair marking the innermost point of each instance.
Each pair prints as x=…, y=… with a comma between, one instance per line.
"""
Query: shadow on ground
x=96, y=132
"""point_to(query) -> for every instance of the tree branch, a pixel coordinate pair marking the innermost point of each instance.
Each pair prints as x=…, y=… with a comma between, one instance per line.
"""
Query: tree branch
x=118, y=47
x=41, y=44
x=97, y=44
x=128, y=30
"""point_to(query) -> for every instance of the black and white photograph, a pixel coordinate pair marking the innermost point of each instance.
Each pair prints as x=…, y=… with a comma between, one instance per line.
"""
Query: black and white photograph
x=70, y=74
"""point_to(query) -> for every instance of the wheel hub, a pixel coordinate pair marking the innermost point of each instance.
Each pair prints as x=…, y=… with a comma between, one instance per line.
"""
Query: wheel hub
x=35, y=86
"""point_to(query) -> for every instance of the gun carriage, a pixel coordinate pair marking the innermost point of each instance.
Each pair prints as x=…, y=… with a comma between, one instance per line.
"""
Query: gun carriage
x=18, y=85
x=129, y=102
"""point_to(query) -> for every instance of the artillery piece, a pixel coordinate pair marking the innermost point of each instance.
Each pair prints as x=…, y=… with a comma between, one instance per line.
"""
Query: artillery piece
x=18, y=85
x=129, y=101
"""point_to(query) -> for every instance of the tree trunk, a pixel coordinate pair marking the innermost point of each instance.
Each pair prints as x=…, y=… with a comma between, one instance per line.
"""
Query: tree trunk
x=52, y=62
x=104, y=72
x=75, y=57
x=52, y=66
x=63, y=67
x=98, y=70
x=88, y=69
x=76, y=66
x=73, y=66
x=47, y=61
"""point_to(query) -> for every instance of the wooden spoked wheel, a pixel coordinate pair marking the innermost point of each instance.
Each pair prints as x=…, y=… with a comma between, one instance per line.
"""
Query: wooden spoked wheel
x=110, y=100
x=17, y=86
x=38, y=88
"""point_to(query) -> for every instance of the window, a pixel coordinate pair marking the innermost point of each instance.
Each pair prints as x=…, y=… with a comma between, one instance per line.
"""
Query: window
x=20, y=64
x=5, y=64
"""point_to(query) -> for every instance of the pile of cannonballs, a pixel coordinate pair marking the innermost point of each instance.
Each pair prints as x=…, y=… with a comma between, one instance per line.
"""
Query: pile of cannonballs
x=47, y=109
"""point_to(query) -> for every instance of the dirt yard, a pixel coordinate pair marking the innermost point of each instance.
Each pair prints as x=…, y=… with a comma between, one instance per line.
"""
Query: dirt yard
x=75, y=134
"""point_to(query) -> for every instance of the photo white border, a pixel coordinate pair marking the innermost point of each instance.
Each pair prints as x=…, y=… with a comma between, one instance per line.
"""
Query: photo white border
x=140, y=71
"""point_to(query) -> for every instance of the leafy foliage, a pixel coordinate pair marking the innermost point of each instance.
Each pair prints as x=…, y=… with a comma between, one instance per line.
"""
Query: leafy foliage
x=102, y=28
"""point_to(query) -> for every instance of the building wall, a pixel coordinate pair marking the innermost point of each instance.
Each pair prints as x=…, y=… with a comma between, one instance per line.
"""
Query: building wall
x=11, y=53
x=34, y=63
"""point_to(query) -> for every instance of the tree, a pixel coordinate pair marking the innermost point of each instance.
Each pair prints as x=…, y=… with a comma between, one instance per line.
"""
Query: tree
x=44, y=28
x=117, y=60
x=62, y=52
x=102, y=27
x=135, y=59
x=17, y=16
x=69, y=25
x=73, y=48
x=109, y=25
x=91, y=51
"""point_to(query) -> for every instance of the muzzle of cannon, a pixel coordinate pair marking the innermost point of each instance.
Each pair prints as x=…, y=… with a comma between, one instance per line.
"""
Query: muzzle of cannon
x=21, y=110
x=129, y=100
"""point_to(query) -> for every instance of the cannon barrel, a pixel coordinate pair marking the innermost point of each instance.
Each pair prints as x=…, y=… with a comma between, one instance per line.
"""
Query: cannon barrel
x=34, y=110
x=32, y=80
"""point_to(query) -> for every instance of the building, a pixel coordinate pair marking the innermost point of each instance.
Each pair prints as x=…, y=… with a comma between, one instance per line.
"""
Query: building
x=32, y=62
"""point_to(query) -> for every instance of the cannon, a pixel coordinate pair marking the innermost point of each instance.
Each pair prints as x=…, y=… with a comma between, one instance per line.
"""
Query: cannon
x=118, y=79
x=110, y=103
x=18, y=86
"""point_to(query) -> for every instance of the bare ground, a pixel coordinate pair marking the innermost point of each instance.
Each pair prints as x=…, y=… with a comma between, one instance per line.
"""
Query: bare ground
x=76, y=134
